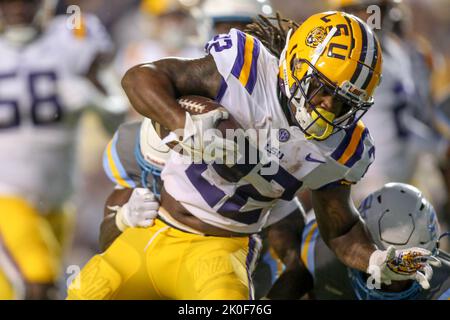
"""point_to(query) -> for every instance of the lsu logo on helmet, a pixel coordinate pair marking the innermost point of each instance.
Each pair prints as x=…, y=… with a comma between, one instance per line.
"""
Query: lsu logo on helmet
x=316, y=37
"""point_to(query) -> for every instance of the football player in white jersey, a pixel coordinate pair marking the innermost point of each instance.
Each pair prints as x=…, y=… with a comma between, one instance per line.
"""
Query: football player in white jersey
x=219, y=17
x=214, y=17
x=48, y=76
x=309, y=85
x=397, y=214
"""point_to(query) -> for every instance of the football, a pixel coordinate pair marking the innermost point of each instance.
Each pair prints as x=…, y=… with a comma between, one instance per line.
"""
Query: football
x=195, y=105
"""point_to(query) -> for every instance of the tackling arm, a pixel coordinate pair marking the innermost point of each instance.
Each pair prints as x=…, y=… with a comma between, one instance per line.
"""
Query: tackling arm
x=341, y=227
x=153, y=88
x=127, y=208
x=345, y=233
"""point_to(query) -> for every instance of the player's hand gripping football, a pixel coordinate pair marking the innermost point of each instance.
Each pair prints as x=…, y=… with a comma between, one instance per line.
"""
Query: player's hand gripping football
x=140, y=210
x=202, y=141
x=399, y=265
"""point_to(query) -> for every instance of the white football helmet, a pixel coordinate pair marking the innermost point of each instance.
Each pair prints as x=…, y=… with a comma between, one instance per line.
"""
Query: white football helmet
x=399, y=215
x=152, y=155
x=215, y=11
x=396, y=215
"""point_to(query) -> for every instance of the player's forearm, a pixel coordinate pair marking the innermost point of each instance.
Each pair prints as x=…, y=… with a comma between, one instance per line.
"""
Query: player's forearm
x=341, y=227
x=354, y=247
x=152, y=94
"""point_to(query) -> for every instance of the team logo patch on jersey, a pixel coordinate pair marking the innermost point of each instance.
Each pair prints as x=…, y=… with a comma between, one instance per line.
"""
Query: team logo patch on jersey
x=316, y=37
x=283, y=135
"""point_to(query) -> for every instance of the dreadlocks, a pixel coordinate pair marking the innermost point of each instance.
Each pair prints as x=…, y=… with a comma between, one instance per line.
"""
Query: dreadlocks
x=272, y=35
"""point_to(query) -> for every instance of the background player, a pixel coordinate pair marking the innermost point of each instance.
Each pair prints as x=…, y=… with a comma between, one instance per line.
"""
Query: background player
x=398, y=215
x=48, y=76
x=161, y=28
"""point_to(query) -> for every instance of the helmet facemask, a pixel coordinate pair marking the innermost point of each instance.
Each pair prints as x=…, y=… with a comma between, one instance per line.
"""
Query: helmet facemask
x=316, y=122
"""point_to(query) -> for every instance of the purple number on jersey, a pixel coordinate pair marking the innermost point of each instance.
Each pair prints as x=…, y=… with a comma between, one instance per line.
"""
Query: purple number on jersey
x=232, y=206
x=219, y=43
x=45, y=109
x=9, y=109
x=39, y=102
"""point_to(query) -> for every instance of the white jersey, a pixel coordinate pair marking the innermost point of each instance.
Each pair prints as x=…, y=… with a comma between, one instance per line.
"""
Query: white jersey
x=249, y=92
x=39, y=108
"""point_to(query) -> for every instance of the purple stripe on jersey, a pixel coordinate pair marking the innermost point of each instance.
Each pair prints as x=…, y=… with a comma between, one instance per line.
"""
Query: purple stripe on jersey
x=359, y=150
x=344, y=144
x=210, y=194
x=239, y=63
x=223, y=88
x=251, y=82
x=248, y=265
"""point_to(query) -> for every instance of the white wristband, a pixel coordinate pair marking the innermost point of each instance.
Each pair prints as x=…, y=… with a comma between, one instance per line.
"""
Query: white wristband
x=119, y=222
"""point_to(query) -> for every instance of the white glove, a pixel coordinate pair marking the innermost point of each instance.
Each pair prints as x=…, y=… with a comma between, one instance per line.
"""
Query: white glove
x=199, y=140
x=399, y=265
x=140, y=210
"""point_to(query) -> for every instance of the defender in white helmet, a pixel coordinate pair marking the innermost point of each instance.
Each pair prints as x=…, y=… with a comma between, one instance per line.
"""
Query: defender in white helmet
x=397, y=216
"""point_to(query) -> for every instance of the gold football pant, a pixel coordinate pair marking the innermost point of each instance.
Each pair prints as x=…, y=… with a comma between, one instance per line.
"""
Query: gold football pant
x=30, y=246
x=162, y=262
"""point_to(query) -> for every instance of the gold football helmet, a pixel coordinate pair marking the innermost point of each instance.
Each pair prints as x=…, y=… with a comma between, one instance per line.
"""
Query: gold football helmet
x=332, y=53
